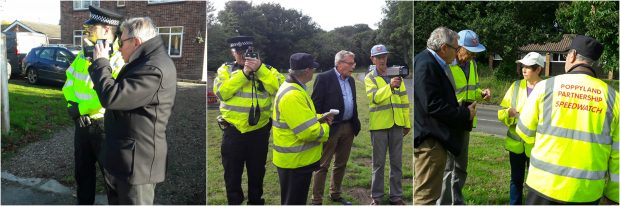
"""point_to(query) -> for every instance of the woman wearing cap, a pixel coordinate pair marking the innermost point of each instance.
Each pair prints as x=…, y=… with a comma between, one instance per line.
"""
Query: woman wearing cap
x=513, y=102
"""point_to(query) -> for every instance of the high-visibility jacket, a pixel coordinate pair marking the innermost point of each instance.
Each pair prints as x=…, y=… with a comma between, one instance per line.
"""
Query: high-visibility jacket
x=79, y=87
x=388, y=107
x=297, y=134
x=467, y=89
x=234, y=90
x=515, y=98
x=572, y=120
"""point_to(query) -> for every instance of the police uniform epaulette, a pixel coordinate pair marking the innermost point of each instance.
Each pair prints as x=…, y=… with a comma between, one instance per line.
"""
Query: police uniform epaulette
x=268, y=66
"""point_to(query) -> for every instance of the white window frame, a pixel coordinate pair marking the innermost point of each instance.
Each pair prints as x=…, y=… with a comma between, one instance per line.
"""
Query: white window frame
x=81, y=4
x=559, y=59
x=162, y=1
x=119, y=4
x=81, y=36
x=170, y=39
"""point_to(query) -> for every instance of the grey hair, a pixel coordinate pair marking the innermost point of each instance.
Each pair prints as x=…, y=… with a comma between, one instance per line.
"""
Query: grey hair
x=439, y=37
x=140, y=27
x=341, y=54
x=296, y=73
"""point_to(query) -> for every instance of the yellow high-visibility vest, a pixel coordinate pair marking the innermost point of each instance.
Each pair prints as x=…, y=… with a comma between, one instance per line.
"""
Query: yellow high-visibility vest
x=572, y=120
x=388, y=107
x=467, y=90
x=234, y=90
x=515, y=98
x=297, y=134
x=79, y=86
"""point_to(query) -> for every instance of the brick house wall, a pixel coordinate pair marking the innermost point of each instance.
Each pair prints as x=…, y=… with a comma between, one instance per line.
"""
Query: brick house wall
x=191, y=15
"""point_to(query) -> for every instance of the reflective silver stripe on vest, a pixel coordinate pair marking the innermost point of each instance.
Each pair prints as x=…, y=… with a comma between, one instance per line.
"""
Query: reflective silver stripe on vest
x=466, y=88
x=82, y=96
x=515, y=94
x=286, y=90
x=524, y=129
x=614, y=145
x=78, y=75
x=240, y=108
x=379, y=108
x=217, y=93
x=514, y=136
x=372, y=90
x=68, y=83
x=614, y=177
x=401, y=93
x=401, y=106
x=372, y=76
x=547, y=128
x=249, y=95
x=305, y=125
x=278, y=124
x=320, y=134
x=567, y=171
x=296, y=149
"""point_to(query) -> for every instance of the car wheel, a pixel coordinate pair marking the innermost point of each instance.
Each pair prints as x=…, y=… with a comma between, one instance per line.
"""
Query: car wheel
x=32, y=76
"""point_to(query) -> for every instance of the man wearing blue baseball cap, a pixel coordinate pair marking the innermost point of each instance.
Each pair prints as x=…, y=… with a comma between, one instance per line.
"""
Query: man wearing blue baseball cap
x=463, y=74
x=389, y=122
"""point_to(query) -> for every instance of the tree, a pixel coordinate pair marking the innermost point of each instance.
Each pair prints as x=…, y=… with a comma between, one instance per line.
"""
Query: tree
x=597, y=19
x=502, y=27
x=396, y=31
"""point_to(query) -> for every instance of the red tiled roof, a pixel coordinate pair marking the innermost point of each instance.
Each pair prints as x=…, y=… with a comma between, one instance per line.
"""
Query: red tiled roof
x=561, y=46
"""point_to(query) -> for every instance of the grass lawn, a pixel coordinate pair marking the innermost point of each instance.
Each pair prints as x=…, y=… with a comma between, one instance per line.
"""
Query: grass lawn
x=35, y=112
x=356, y=185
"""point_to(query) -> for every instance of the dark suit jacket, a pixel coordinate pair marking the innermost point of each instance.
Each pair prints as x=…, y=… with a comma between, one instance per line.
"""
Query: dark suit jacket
x=437, y=113
x=138, y=104
x=326, y=95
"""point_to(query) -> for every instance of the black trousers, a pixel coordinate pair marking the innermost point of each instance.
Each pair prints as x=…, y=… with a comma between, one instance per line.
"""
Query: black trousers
x=295, y=183
x=249, y=150
x=536, y=198
x=88, y=144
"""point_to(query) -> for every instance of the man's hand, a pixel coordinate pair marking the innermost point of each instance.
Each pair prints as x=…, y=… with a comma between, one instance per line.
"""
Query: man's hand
x=472, y=110
x=251, y=65
x=406, y=131
x=329, y=119
x=83, y=121
x=101, y=51
x=512, y=112
x=395, y=82
x=486, y=94
x=73, y=110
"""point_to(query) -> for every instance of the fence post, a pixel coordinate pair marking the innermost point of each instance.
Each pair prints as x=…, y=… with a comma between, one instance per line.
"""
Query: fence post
x=4, y=90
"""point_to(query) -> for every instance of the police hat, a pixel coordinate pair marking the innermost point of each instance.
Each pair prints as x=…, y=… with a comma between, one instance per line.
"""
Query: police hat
x=103, y=16
x=587, y=46
x=300, y=61
x=240, y=42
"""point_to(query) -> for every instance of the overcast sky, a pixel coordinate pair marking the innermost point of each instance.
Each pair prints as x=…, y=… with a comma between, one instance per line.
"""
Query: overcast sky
x=44, y=11
x=329, y=14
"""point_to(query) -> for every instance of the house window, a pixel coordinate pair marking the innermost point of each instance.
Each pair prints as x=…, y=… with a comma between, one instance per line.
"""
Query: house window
x=120, y=3
x=162, y=1
x=77, y=37
x=558, y=57
x=173, y=39
x=82, y=5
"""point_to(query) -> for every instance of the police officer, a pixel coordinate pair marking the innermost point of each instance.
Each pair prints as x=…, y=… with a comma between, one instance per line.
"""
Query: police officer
x=246, y=88
x=298, y=132
x=572, y=120
x=83, y=104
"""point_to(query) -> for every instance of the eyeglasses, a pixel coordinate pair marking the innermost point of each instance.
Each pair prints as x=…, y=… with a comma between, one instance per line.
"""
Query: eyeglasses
x=455, y=48
x=120, y=44
x=349, y=63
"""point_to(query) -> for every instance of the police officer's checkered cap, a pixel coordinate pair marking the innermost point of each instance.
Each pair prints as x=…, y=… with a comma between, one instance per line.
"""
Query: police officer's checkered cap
x=103, y=16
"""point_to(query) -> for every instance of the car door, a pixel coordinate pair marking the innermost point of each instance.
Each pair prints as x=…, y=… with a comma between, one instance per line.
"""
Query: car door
x=63, y=61
x=45, y=64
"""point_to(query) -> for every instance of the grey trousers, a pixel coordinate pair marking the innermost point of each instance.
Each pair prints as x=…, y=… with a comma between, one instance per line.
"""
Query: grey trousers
x=382, y=140
x=123, y=193
x=454, y=176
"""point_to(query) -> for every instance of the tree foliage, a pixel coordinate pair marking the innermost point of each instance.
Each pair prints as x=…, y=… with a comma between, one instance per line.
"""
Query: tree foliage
x=502, y=27
x=598, y=19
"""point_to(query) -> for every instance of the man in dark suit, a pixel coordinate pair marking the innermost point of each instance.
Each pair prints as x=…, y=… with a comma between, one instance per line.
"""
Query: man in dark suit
x=335, y=89
x=138, y=105
x=439, y=120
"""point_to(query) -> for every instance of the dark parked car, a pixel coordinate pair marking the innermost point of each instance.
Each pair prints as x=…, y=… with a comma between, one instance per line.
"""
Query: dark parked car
x=48, y=63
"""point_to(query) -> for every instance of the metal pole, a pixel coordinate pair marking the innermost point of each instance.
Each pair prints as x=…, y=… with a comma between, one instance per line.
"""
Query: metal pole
x=4, y=90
